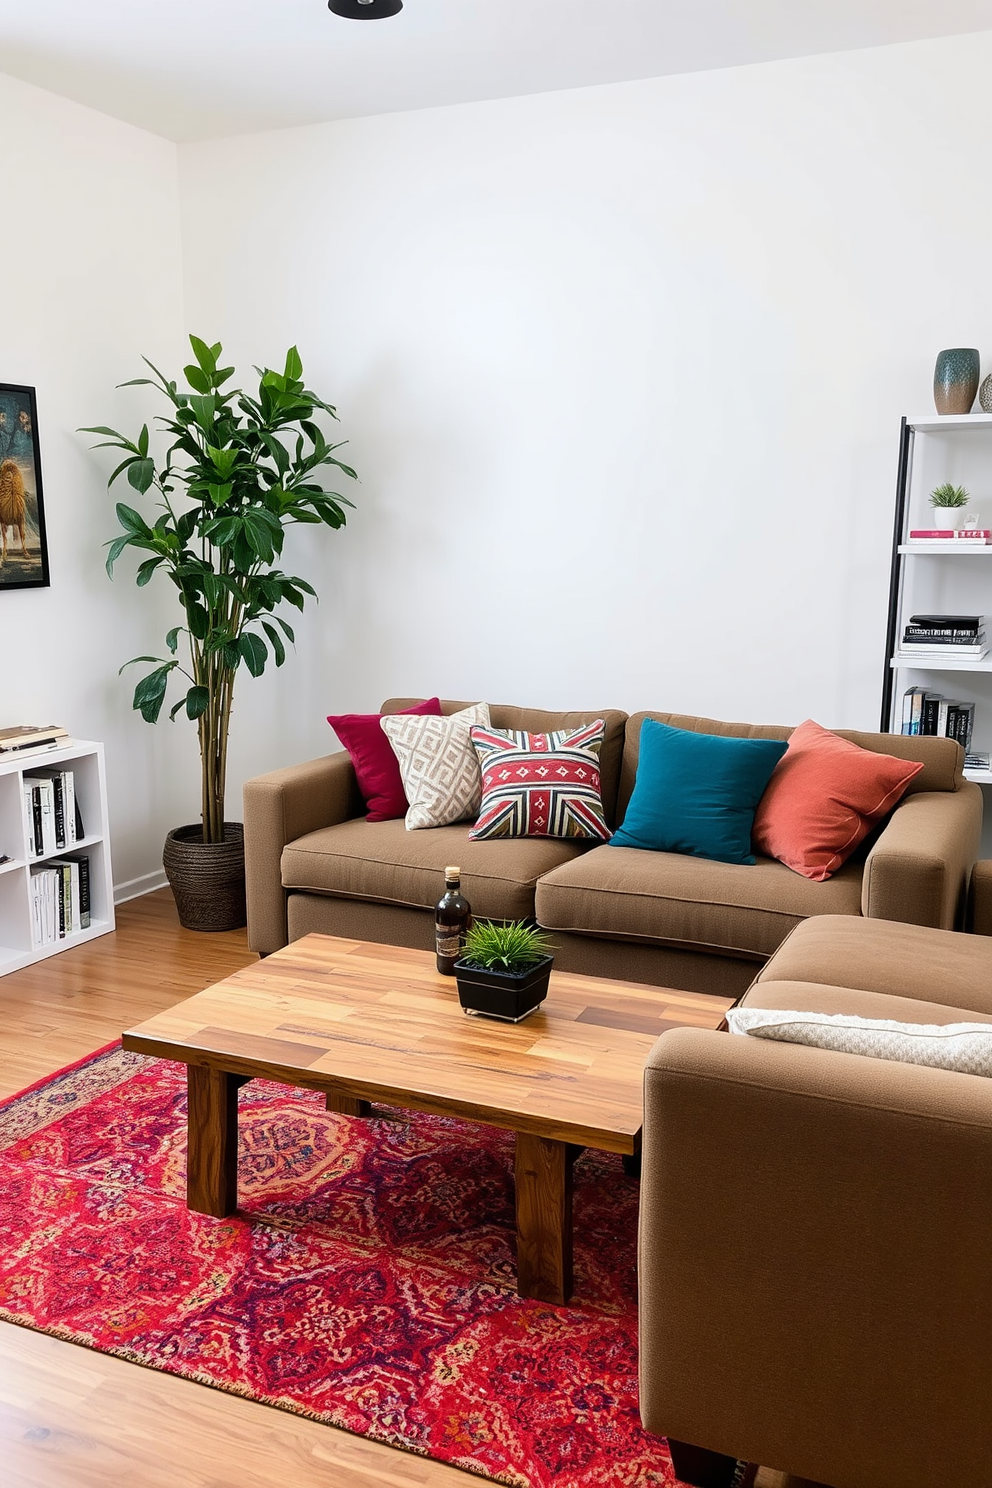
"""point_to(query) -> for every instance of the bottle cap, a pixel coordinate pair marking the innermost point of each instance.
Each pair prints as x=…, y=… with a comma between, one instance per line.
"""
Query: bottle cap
x=452, y=872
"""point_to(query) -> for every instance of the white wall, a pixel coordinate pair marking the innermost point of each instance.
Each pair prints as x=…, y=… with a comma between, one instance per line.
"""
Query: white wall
x=90, y=268
x=622, y=371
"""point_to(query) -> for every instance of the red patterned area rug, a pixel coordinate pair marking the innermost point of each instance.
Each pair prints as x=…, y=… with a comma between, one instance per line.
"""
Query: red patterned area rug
x=367, y=1280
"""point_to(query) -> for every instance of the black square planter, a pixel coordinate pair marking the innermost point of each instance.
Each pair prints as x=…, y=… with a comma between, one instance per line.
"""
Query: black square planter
x=507, y=995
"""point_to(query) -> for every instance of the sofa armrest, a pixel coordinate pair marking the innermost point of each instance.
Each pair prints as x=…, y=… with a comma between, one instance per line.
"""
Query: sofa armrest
x=814, y=1287
x=919, y=869
x=278, y=808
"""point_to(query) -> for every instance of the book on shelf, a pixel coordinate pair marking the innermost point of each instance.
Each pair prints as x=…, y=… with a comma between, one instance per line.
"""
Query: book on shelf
x=951, y=653
x=928, y=716
x=60, y=899
x=32, y=806
x=75, y=873
x=54, y=821
x=44, y=906
x=78, y=865
x=915, y=636
x=925, y=712
x=953, y=622
x=940, y=633
x=64, y=803
x=978, y=537
x=960, y=636
x=912, y=709
x=978, y=760
x=20, y=736
x=924, y=651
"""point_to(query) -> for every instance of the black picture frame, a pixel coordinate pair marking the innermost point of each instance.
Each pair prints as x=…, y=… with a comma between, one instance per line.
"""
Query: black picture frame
x=23, y=540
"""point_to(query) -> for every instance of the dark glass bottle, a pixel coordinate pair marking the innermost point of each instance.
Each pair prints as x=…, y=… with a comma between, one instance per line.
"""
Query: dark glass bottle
x=452, y=917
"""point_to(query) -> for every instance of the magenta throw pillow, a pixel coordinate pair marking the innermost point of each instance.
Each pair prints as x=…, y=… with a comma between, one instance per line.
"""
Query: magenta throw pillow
x=376, y=766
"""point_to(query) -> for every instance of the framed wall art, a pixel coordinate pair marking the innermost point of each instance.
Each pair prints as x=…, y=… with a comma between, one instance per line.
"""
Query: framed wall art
x=23, y=545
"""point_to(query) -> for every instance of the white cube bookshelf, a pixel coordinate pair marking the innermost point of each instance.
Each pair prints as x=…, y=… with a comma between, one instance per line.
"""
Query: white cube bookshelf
x=85, y=759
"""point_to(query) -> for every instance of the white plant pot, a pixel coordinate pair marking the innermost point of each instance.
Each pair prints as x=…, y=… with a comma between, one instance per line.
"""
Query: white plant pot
x=947, y=516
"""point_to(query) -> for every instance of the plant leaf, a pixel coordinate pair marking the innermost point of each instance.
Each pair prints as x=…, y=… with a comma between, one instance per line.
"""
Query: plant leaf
x=149, y=694
x=205, y=355
x=294, y=366
x=252, y=648
x=275, y=641
x=200, y=383
x=197, y=701
x=204, y=409
x=134, y=661
x=116, y=549
x=140, y=474
x=199, y=620
x=132, y=521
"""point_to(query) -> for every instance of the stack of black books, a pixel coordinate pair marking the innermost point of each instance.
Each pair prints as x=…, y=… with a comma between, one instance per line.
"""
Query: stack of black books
x=961, y=637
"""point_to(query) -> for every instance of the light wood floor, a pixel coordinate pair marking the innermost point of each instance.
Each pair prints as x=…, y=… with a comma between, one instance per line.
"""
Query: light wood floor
x=71, y=1418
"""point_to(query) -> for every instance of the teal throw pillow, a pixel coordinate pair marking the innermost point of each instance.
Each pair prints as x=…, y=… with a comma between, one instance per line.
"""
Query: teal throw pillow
x=697, y=793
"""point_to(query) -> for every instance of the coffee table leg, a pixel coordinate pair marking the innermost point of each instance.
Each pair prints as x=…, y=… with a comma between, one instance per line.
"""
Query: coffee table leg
x=212, y=1145
x=348, y=1105
x=543, y=1174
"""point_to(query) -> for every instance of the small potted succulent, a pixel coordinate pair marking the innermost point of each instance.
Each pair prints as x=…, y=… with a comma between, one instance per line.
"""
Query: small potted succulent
x=948, y=503
x=503, y=970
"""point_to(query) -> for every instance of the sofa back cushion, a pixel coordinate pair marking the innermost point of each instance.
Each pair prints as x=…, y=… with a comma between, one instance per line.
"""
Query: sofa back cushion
x=942, y=759
x=545, y=721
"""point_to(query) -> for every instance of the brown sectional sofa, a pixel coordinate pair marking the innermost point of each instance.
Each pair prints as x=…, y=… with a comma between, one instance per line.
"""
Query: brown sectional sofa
x=814, y=1285
x=315, y=864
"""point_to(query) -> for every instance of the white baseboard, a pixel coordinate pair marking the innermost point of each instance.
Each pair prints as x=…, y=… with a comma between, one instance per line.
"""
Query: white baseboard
x=133, y=888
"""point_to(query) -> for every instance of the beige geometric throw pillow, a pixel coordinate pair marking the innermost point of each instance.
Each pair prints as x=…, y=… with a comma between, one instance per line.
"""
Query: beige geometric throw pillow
x=438, y=766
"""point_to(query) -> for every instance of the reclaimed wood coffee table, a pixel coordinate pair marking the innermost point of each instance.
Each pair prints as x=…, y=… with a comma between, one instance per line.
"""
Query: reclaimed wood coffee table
x=362, y=1023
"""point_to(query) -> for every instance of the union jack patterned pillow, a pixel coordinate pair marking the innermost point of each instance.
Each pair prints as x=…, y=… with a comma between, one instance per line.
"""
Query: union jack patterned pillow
x=540, y=785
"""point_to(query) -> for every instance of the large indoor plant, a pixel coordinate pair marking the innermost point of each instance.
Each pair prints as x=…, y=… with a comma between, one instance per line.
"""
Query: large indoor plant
x=238, y=469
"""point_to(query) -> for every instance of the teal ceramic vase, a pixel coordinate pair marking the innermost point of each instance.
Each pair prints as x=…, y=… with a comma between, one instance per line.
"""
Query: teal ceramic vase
x=955, y=379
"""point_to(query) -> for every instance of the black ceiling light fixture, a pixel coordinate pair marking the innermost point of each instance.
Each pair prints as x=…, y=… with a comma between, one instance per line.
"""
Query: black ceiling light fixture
x=365, y=10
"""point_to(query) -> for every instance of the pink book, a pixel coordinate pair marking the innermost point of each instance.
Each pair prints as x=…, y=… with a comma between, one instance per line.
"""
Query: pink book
x=963, y=534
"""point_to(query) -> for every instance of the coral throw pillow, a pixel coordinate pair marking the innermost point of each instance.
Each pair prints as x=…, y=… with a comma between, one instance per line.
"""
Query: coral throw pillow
x=376, y=766
x=540, y=785
x=438, y=766
x=824, y=797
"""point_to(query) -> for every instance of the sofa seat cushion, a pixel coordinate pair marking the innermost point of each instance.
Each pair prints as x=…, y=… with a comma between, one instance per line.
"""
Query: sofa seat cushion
x=744, y=910
x=382, y=861
x=814, y=997
x=907, y=961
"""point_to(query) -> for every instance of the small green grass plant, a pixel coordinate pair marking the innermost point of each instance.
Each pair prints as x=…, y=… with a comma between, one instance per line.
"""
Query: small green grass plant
x=509, y=948
x=948, y=495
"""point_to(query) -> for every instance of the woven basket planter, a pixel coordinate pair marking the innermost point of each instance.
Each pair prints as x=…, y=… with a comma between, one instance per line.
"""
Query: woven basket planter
x=207, y=878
